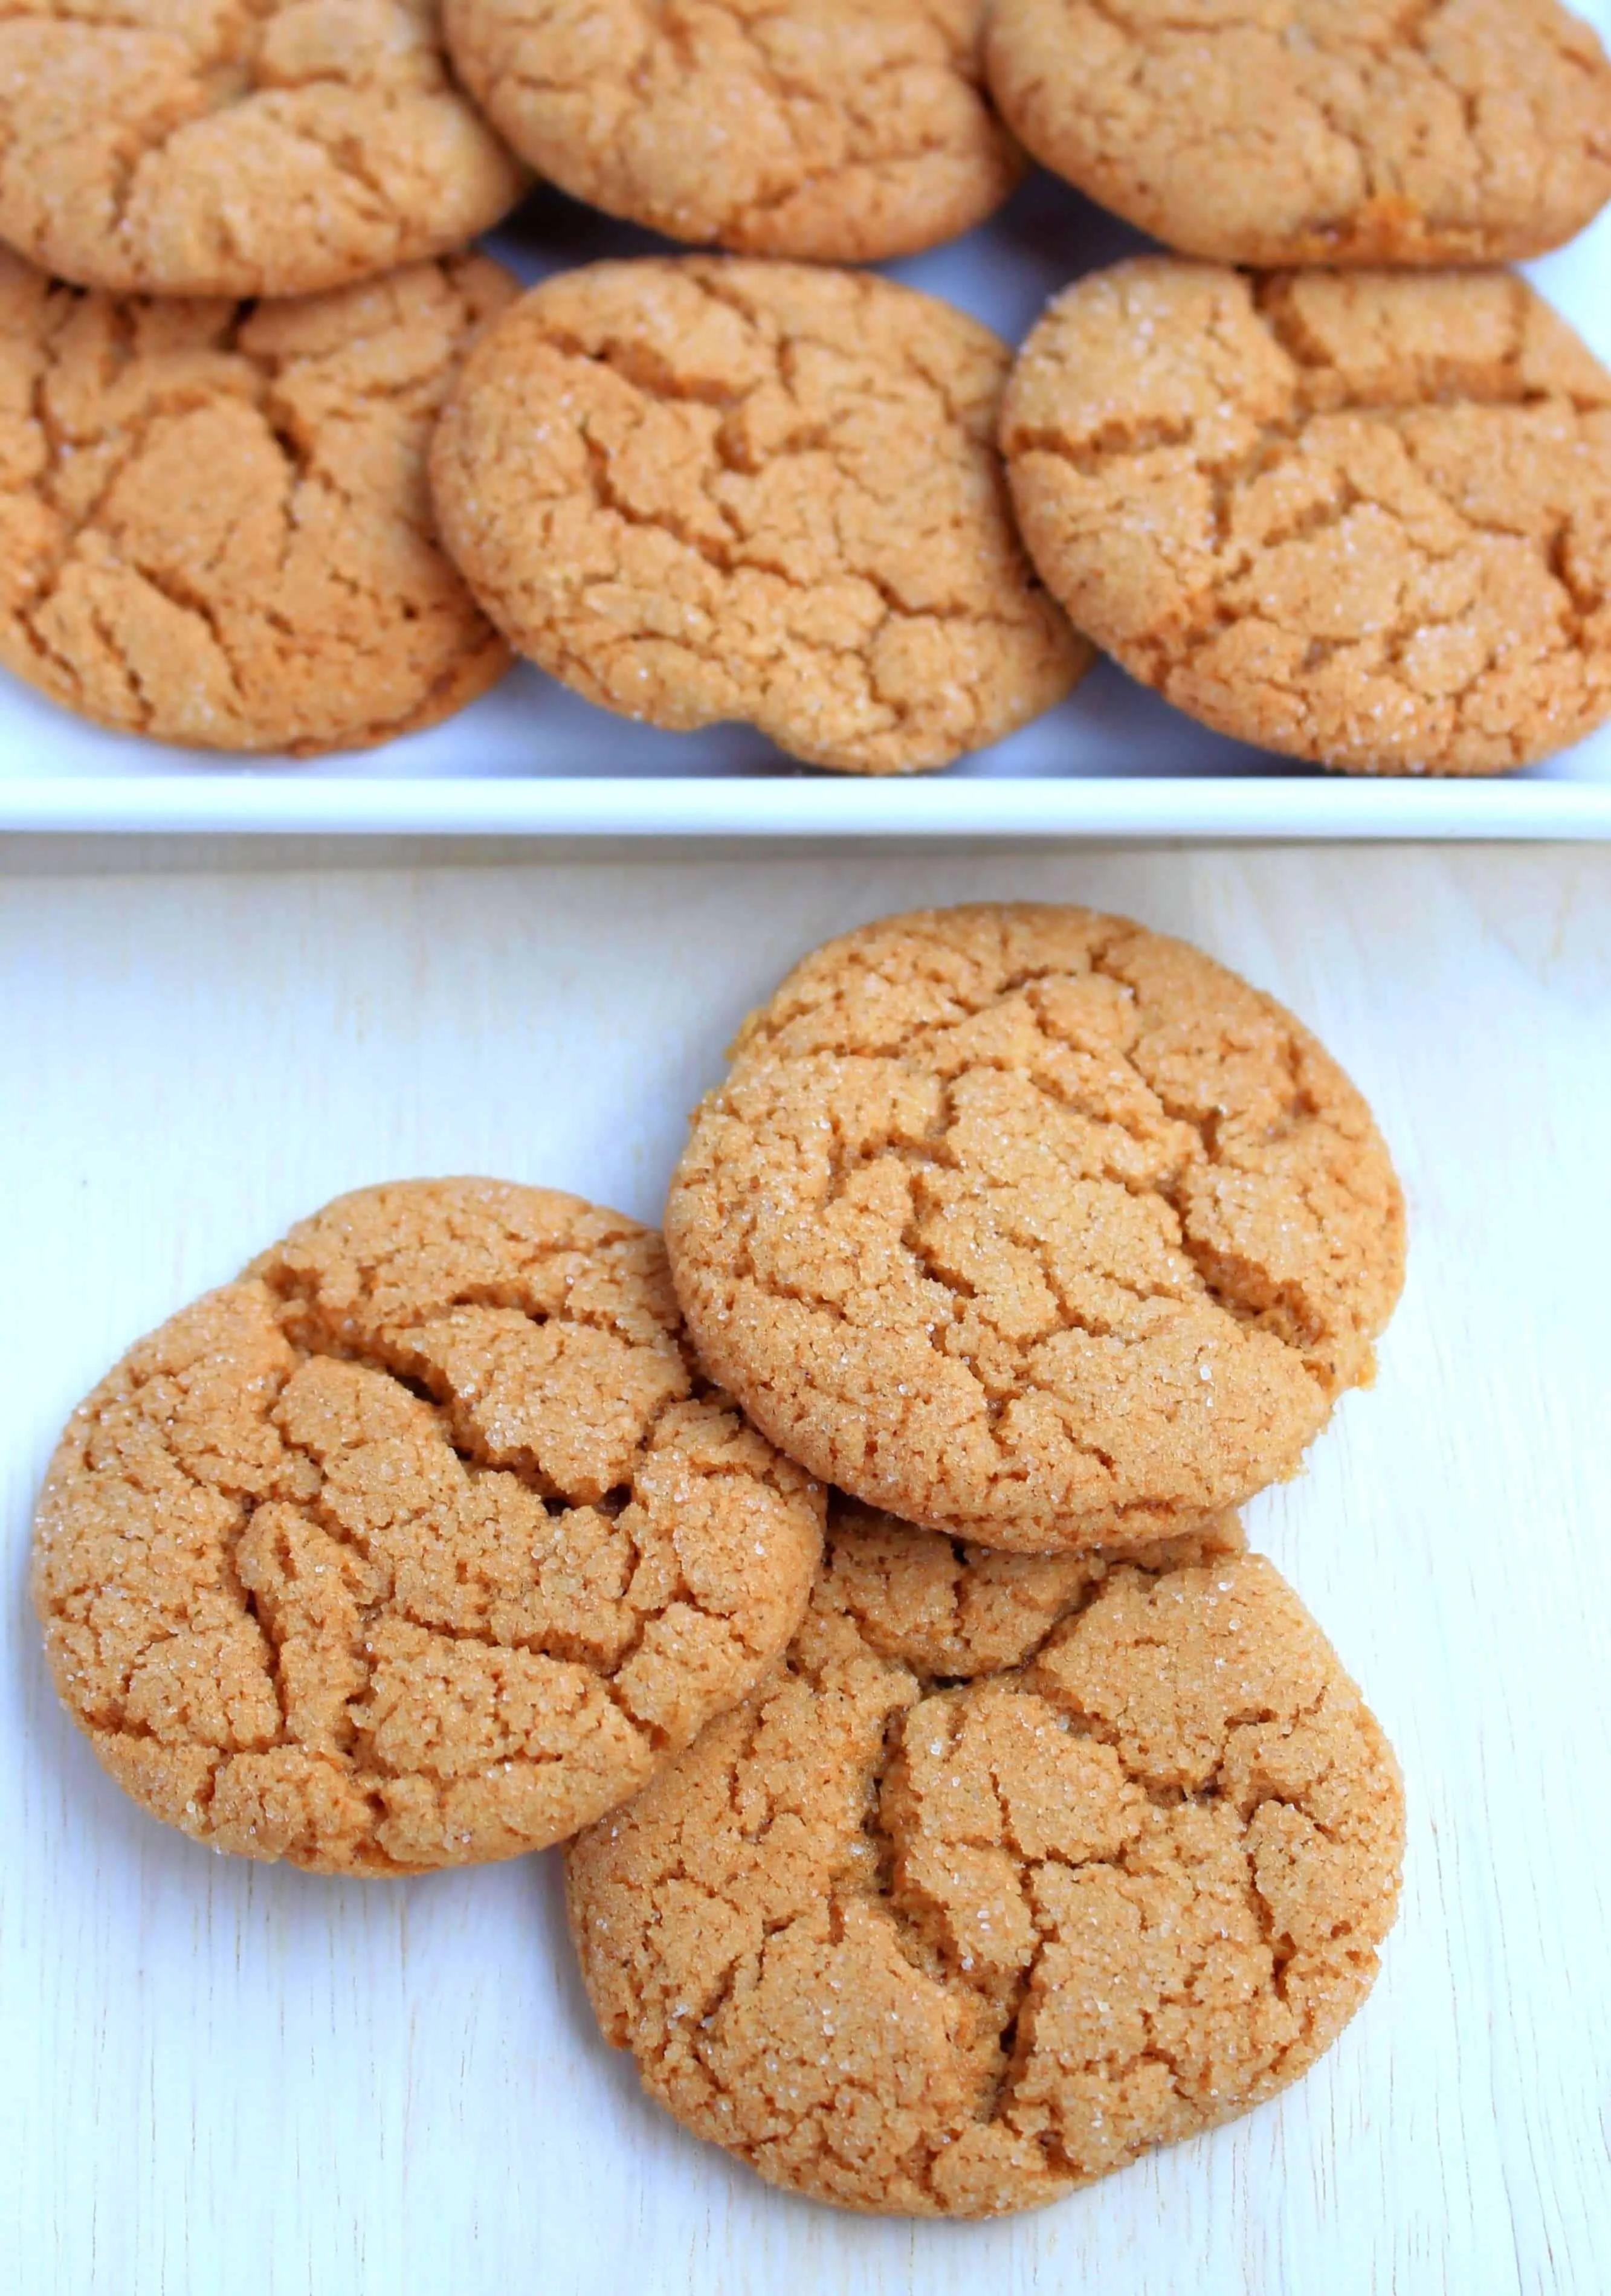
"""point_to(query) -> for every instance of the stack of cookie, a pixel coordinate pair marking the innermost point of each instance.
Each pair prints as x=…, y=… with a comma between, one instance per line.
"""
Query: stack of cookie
x=938, y=1866
x=1357, y=513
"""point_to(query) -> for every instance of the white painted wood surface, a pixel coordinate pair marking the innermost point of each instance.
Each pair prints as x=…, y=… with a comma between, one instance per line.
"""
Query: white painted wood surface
x=227, y=2080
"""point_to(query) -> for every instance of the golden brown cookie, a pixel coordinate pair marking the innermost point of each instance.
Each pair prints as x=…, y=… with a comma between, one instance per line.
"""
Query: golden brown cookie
x=215, y=525
x=237, y=147
x=839, y=131
x=1362, y=516
x=949, y=1928
x=1030, y=1224
x=423, y=1543
x=1316, y=131
x=701, y=488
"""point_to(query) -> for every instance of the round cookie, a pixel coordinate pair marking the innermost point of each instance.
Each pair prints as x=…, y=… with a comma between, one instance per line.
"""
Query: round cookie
x=950, y=1929
x=701, y=488
x=1364, y=518
x=422, y=1544
x=1316, y=131
x=1033, y=1226
x=215, y=524
x=828, y=130
x=241, y=147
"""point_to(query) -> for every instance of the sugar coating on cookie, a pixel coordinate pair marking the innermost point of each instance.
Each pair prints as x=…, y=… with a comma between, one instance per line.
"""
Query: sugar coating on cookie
x=215, y=523
x=1275, y=132
x=951, y=1931
x=422, y=1544
x=1027, y=1223
x=1362, y=516
x=832, y=130
x=703, y=489
x=238, y=147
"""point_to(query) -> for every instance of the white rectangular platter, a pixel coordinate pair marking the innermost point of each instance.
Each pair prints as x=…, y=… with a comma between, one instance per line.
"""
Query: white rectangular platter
x=533, y=758
x=1111, y=761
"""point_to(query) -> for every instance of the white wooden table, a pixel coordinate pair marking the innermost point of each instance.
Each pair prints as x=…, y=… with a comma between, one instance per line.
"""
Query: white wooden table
x=218, y=2079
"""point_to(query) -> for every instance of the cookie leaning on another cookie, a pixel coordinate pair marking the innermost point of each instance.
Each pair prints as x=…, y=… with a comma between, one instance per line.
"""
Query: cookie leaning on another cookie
x=1032, y=1224
x=422, y=1544
x=1364, y=518
x=832, y=130
x=704, y=489
x=248, y=147
x=948, y=1926
x=1318, y=131
x=215, y=526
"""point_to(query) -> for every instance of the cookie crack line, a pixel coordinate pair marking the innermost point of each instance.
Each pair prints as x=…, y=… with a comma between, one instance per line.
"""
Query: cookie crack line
x=740, y=552
x=845, y=1165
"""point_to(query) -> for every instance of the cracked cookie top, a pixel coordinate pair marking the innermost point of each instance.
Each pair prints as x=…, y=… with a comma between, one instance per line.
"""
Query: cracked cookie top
x=424, y=1543
x=1027, y=1223
x=237, y=147
x=1362, y=516
x=1274, y=132
x=703, y=488
x=215, y=524
x=950, y=1928
x=831, y=130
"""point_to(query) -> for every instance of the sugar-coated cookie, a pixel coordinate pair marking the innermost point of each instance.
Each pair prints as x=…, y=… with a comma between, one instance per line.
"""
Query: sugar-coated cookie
x=237, y=147
x=703, y=489
x=422, y=1544
x=215, y=525
x=1032, y=1224
x=1316, y=131
x=950, y=1928
x=839, y=131
x=1362, y=516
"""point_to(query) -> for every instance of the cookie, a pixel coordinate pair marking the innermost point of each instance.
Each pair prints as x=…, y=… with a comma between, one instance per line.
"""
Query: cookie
x=1033, y=1226
x=1364, y=518
x=215, y=526
x=700, y=490
x=1318, y=131
x=826, y=129
x=950, y=1931
x=246, y=147
x=423, y=1543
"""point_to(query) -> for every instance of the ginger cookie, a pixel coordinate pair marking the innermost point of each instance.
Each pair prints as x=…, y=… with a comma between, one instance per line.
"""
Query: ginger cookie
x=215, y=523
x=422, y=1544
x=831, y=130
x=245, y=147
x=1318, y=131
x=701, y=489
x=949, y=1928
x=1362, y=516
x=1030, y=1224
